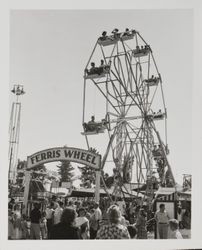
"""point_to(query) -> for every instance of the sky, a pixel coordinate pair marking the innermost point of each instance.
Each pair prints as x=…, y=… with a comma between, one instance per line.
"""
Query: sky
x=49, y=50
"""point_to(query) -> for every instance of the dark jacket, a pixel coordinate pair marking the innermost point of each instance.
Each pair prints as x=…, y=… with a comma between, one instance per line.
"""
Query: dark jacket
x=63, y=231
x=35, y=215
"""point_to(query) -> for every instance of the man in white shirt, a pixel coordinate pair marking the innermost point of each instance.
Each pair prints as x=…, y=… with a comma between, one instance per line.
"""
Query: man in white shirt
x=98, y=212
x=162, y=220
x=58, y=212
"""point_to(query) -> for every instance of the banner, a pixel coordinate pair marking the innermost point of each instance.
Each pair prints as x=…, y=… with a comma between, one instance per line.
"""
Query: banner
x=78, y=155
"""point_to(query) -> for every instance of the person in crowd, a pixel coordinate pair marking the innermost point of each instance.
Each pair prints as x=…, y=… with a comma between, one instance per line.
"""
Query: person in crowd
x=98, y=213
x=11, y=204
x=66, y=229
x=55, y=202
x=25, y=233
x=93, y=224
x=122, y=205
x=186, y=219
x=113, y=230
x=43, y=226
x=174, y=229
x=71, y=205
x=179, y=216
x=35, y=217
x=83, y=224
x=162, y=219
x=10, y=224
x=132, y=231
x=139, y=202
x=28, y=227
x=141, y=224
x=132, y=213
x=17, y=222
x=151, y=222
x=124, y=222
x=58, y=212
x=49, y=217
x=88, y=216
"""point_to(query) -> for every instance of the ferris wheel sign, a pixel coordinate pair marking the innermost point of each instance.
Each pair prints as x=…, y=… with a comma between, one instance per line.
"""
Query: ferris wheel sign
x=78, y=155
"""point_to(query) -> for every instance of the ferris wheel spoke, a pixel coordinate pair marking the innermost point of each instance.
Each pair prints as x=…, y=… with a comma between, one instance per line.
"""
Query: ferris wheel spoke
x=129, y=94
x=129, y=79
x=114, y=97
x=139, y=167
x=135, y=80
x=106, y=97
x=118, y=76
x=108, y=148
x=117, y=94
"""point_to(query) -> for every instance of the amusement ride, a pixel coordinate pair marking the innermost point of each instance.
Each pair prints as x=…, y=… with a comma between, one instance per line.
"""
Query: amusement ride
x=14, y=131
x=135, y=113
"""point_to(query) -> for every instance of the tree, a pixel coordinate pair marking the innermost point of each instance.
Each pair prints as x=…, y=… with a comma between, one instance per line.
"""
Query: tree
x=65, y=170
x=87, y=176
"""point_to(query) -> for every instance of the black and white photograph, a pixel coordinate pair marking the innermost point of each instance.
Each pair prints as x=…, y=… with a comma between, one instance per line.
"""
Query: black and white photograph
x=100, y=126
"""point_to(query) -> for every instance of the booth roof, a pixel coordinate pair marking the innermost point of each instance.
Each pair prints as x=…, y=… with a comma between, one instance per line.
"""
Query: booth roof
x=89, y=192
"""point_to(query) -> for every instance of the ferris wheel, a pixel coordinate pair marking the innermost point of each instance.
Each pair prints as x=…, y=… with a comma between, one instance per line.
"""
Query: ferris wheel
x=135, y=115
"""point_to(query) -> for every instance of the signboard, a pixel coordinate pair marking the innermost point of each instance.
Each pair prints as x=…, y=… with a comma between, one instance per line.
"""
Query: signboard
x=42, y=195
x=63, y=154
x=66, y=184
x=55, y=184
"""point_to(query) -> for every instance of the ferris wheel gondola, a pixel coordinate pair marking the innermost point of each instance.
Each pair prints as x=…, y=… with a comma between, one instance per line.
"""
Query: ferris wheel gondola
x=131, y=85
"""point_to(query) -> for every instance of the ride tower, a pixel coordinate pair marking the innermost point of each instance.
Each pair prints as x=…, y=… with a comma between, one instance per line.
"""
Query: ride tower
x=14, y=132
x=135, y=113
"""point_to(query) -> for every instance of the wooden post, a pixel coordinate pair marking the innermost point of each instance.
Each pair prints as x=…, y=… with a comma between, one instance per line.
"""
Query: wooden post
x=97, y=186
x=26, y=191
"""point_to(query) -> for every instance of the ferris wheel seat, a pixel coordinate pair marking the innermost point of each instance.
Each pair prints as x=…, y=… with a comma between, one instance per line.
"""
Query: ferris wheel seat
x=93, y=132
x=157, y=154
x=126, y=37
x=107, y=41
x=152, y=81
x=93, y=76
x=158, y=116
x=141, y=52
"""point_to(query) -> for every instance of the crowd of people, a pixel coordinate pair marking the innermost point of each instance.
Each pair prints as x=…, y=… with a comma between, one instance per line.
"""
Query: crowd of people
x=90, y=220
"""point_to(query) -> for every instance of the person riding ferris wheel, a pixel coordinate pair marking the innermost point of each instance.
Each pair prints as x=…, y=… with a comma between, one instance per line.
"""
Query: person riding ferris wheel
x=135, y=114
